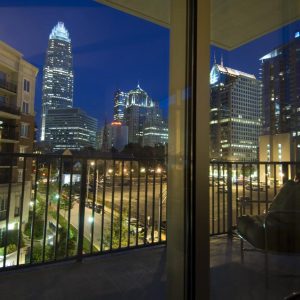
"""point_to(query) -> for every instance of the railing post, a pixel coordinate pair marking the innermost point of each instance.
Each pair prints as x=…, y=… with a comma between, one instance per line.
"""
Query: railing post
x=229, y=198
x=285, y=172
x=83, y=193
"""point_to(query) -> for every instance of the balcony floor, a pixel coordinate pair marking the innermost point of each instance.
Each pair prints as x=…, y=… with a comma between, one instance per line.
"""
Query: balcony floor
x=133, y=274
x=235, y=281
x=141, y=274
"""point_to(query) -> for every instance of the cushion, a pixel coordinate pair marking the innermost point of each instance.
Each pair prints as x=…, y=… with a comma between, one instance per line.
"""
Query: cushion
x=283, y=229
x=288, y=198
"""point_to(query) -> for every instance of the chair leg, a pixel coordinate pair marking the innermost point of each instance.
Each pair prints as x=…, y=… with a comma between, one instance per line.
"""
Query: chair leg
x=242, y=251
x=266, y=270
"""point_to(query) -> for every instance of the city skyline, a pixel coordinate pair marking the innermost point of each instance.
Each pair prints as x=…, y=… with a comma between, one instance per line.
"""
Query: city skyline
x=96, y=55
x=94, y=48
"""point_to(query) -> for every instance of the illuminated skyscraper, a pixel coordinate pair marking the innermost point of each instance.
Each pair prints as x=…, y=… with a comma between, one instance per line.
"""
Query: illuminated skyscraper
x=235, y=119
x=155, y=129
x=281, y=106
x=138, y=117
x=58, y=78
x=137, y=106
x=120, y=100
x=70, y=128
x=281, y=88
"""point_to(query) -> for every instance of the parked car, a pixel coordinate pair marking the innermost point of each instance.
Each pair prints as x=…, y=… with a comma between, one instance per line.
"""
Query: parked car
x=76, y=198
x=89, y=204
x=244, y=201
x=98, y=208
x=255, y=187
x=135, y=226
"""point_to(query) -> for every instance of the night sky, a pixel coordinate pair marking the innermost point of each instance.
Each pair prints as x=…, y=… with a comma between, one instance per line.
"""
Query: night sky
x=111, y=49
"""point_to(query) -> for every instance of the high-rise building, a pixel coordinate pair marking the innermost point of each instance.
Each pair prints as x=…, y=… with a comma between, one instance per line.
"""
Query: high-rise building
x=235, y=120
x=17, y=92
x=155, y=129
x=137, y=107
x=281, y=147
x=112, y=136
x=57, y=90
x=70, y=128
x=120, y=101
x=281, y=88
x=142, y=117
x=281, y=106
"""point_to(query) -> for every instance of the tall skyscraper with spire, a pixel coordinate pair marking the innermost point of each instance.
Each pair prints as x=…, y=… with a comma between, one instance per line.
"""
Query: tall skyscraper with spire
x=58, y=78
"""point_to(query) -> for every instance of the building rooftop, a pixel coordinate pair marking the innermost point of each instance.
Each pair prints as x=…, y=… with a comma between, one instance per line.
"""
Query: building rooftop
x=233, y=72
x=59, y=32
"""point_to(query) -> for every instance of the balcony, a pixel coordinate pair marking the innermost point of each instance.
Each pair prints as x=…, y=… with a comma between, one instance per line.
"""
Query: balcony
x=9, y=109
x=2, y=215
x=6, y=162
x=81, y=207
x=110, y=215
x=8, y=86
x=8, y=134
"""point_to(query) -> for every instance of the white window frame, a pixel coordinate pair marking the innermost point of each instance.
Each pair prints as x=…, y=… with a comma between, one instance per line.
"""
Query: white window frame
x=24, y=134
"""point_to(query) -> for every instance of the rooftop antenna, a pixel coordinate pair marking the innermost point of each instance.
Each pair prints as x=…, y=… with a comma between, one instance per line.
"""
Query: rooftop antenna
x=215, y=60
x=222, y=60
x=138, y=85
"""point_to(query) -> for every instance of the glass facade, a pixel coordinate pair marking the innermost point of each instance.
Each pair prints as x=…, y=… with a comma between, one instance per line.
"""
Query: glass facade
x=120, y=101
x=58, y=78
x=281, y=88
x=236, y=116
x=71, y=129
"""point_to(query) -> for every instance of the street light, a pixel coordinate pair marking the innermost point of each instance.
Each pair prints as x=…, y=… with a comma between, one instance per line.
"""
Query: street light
x=158, y=170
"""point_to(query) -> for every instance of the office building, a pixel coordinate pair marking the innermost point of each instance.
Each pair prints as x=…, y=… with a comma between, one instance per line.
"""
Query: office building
x=281, y=147
x=281, y=104
x=235, y=114
x=120, y=101
x=17, y=92
x=137, y=106
x=155, y=129
x=57, y=90
x=112, y=136
x=281, y=88
x=70, y=128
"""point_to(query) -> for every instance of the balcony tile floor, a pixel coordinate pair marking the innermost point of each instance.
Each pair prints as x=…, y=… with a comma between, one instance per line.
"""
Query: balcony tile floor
x=235, y=281
x=141, y=274
x=134, y=274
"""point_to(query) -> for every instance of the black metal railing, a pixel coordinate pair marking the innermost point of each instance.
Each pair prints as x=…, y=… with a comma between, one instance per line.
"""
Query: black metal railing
x=8, y=85
x=244, y=188
x=70, y=207
x=67, y=207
